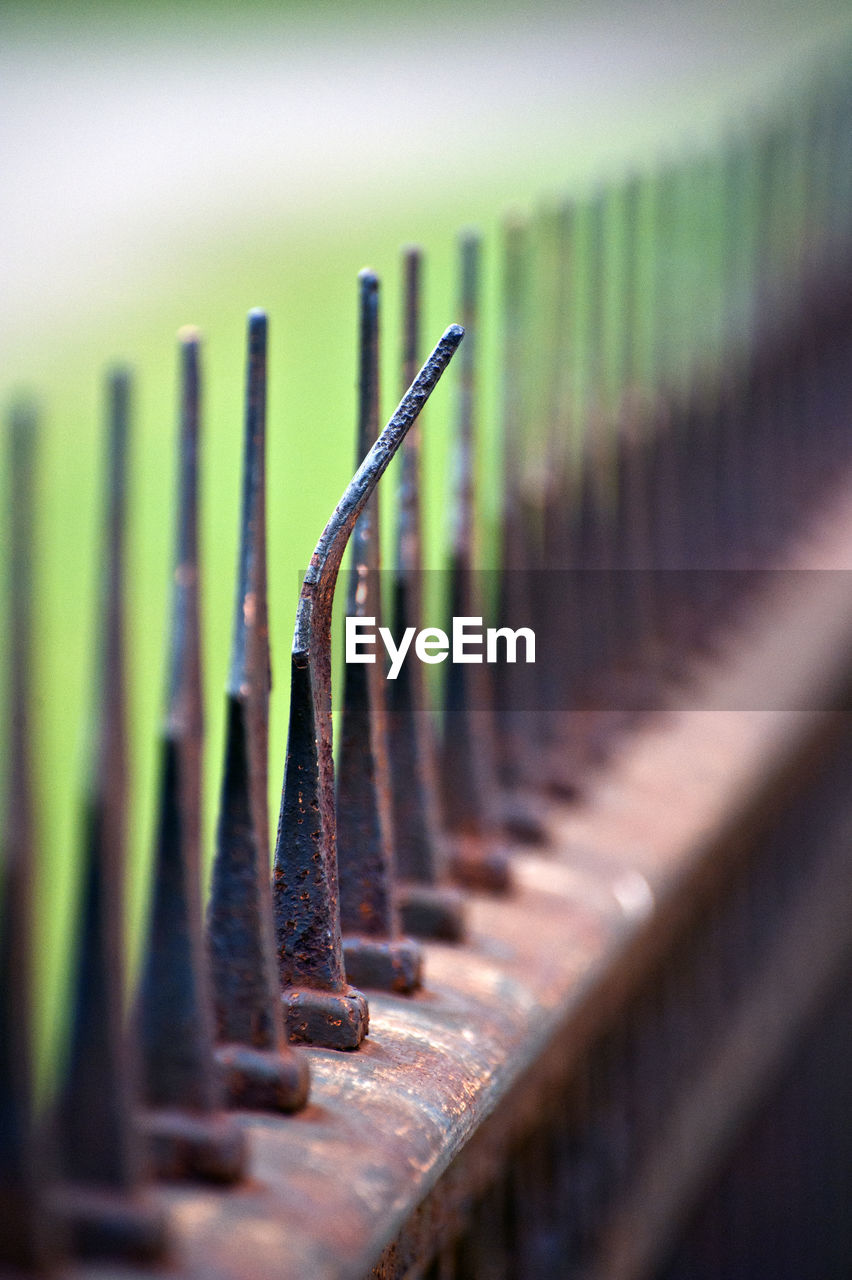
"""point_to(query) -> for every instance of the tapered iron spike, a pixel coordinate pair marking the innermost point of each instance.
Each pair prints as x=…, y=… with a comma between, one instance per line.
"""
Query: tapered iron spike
x=261, y=1070
x=596, y=298
x=629, y=327
x=558, y=441
x=374, y=953
x=666, y=506
x=663, y=280
x=516, y=536
x=595, y=493
x=735, y=182
x=534, y=531
x=515, y=686
x=470, y=250
x=429, y=907
x=556, y=616
x=765, y=472
x=188, y=1133
x=28, y=1231
x=633, y=581
x=701, y=444
x=321, y=1008
x=104, y=1200
x=468, y=768
x=692, y=427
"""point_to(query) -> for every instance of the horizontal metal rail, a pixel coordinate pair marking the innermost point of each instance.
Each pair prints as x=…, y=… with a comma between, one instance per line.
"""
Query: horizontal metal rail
x=399, y=1139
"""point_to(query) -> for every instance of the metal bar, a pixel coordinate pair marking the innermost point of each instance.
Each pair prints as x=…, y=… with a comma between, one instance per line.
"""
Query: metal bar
x=374, y=952
x=320, y=1007
x=429, y=906
x=187, y=1131
x=103, y=1202
x=260, y=1069
x=515, y=688
x=28, y=1230
x=468, y=770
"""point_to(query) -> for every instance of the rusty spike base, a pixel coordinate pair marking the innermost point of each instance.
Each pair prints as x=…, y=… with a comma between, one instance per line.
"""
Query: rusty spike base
x=97, y=1222
x=521, y=820
x=332, y=1019
x=211, y=1148
x=433, y=911
x=263, y=1079
x=383, y=964
x=480, y=863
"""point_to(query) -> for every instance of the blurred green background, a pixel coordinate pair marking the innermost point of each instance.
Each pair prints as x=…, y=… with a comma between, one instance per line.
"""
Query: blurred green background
x=174, y=164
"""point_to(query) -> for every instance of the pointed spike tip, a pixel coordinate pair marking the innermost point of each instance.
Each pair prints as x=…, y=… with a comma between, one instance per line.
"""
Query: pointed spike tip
x=325, y=561
x=189, y=335
x=119, y=377
x=257, y=326
x=368, y=279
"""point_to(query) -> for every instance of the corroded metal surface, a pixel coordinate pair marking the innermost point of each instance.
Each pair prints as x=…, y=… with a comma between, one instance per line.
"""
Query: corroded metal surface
x=374, y=951
x=187, y=1131
x=468, y=767
x=260, y=1069
x=512, y=1011
x=429, y=905
x=27, y=1227
x=321, y=1008
x=103, y=1200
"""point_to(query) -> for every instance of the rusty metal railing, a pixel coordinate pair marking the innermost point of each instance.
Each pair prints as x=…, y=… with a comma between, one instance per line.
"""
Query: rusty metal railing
x=587, y=946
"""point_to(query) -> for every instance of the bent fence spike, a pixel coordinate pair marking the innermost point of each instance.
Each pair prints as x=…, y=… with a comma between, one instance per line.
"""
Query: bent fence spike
x=429, y=906
x=321, y=1008
x=261, y=1070
x=104, y=1200
x=188, y=1132
x=28, y=1237
x=374, y=953
x=468, y=769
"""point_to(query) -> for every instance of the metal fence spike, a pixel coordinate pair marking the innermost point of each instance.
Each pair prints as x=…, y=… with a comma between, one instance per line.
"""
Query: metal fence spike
x=558, y=619
x=261, y=1069
x=374, y=952
x=469, y=788
x=518, y=706
x=594, y=530
x=633, y=580
x=429, y=906
x=28, y=1230
x=321, y=1008
x=104, y=1200
x=188, y=1132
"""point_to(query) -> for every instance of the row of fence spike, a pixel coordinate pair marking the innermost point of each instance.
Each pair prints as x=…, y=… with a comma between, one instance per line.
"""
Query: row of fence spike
x=209, y=1026
x=617, y=546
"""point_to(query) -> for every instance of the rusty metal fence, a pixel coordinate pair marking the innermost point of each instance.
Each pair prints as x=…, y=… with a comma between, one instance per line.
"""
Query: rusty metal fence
x=553, y=979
